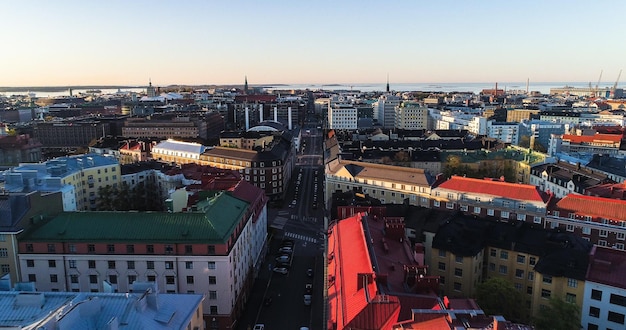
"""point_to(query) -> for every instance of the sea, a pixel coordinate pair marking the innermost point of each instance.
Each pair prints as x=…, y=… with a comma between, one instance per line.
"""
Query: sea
x=541, y=87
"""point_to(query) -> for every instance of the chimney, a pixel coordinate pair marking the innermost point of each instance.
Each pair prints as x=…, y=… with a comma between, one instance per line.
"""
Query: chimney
x=276, y=114
x=247, y=119
x=289, y=118
x=260, y=113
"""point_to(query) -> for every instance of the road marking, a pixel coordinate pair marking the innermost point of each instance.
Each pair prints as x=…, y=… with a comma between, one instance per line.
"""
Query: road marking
x=301, y=237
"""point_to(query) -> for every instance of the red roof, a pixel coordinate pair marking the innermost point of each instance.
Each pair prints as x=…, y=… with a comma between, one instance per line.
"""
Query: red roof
x=610, y=138
x=517, y=191
x=612, y=209
x=607, y=266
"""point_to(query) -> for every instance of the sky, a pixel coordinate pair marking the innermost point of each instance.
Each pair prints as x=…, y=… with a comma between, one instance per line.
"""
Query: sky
x=120, y=42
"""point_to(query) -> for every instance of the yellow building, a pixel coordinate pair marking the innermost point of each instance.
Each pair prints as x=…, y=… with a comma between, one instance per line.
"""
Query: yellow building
x=458, y=274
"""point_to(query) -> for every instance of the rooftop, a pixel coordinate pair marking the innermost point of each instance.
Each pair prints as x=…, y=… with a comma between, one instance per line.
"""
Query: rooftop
x=385, y=173
x=188, y=147
x=599, y=207
x=214, y=226
x=517, y=191
x=607, y=266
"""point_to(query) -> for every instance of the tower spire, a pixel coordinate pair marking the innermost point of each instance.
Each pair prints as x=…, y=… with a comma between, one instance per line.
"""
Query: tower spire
x=387, y=82
x=245, y=85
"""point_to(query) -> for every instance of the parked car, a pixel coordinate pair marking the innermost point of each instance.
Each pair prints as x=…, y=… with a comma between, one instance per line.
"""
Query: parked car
x=285, y=249
x=308, y=289
x=309, y=272
x=307, y=300
x=259, y=327
x=281, y=270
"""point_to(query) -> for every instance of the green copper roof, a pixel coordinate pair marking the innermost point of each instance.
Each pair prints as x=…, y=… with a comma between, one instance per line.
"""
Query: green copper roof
x=212, y=226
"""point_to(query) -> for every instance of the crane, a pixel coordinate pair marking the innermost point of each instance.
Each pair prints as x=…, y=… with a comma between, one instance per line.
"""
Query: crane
x=615, y=85
x=596, y=90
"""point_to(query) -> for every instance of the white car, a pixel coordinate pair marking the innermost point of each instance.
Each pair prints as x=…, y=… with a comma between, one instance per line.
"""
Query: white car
x=285, y=249
x=259, y=327
x=281, y=270
x=307, y=300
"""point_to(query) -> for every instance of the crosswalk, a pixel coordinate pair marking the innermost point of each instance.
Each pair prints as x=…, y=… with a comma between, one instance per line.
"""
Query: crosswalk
x=301, y=237
x=304, y=219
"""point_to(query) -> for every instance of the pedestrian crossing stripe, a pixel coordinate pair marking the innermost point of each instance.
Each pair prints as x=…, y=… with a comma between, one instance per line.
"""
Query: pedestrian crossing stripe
x=301, y=237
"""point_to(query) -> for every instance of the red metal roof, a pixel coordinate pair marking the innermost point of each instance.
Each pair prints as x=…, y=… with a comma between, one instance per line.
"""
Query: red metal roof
x=517, y=191
x=612, y=209
x=611, y=138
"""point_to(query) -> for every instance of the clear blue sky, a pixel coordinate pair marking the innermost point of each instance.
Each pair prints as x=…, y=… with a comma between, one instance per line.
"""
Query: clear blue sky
x=219, y=42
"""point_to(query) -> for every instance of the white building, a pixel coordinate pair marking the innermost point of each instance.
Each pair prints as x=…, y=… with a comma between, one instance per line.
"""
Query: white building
x=385, y=110
x=342, y=116
x=604, y=303
x=411, y=116
x=505, y=132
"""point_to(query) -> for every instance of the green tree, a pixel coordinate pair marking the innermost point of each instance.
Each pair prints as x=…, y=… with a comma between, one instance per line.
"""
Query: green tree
x=558, y=315
x=497, y=296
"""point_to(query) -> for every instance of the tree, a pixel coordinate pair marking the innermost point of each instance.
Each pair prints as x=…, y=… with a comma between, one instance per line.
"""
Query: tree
x=558, y=315
x=497, y=296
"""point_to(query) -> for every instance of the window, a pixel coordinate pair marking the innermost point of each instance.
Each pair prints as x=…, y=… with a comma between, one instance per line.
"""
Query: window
x=189, y=279
x=30, y=263
x=189, y=249
x=531, y=276
x=74, y=278
x=492, y=267
x=504, y=255
x=110, y=248
x=211, y=265
x=132, y=279
x=442, y=253
x=457, y=286
x=618, y=299
x=493, y=252
x=458, y=272
x=150, y=248
x=537, y=219
x=594, y=311
x=616, y=317
x=151, y=278
x=521, y=259
x=93, y=279
x=545, y=293
x=72, y=248
x=518, y=286
x=54, y=278
x=91, y=263
x=91, y=248
x=130, y=264
x=169, y=265
x=212, y=280
x=586, y=230
x=504, y=214
x=5, y=268
x=29, y=247
x=603, y=233
x=459, y=259
x=521, y=216
x=529, y=289
x=547, y=279
x=464, y=208
x=620, y=236
x=570, y=297
x=476, y=209
x=596, y=294
x=436, y=203
x=212, y=295
x=503, y=269
x=211, y=249
x=169, y=249
x=113, y=279
x=519, y=273
x=591, y=326
x=51, y=248
x=572, y=283
x=449, y=205
x=532, y=261
x=442, y=266
x=169, y=280
x=111, y=264
x=188, y=264
x=130, y=248
x=490, y=212
x=569, y=227
x=213, y=311
x=150, y=264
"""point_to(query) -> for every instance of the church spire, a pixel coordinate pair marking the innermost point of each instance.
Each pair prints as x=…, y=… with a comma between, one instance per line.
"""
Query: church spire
x=245, y=85
x=387, y=82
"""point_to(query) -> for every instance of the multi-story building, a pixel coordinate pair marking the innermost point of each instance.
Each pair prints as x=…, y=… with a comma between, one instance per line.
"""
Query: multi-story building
x=606, y=144
x=613, y=167
x=604, y=303
x=389, y=184
x=212, y=249
x=490, y=198
x=70, y=133
x=342, y=116
x=78, y=178
x=563, y=178
x=505, y=132
x=519, y=115
x=166, y=128
x=540, y=132
x=143, y=308
x=599, y=220
x=385, y=109
x=17, y=149
x=411, y=116
x=18, y=211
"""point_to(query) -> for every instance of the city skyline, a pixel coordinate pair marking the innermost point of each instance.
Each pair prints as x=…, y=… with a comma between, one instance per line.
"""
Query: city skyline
x=69, y=42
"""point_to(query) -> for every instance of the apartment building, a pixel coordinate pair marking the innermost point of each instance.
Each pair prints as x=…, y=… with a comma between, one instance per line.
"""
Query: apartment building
x=342, y=116
x=606, y=144
x=483, y=198
x=70, y=133
x=411, y=116
x=78, y=178
x=17, y=149
x=211, y=250
x=562, y=178
x=604, y=303
x=389, y=184
x=166, y=128
x=177, y=152
x=505, y=132
x=385, y=109
x=599, y=220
